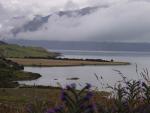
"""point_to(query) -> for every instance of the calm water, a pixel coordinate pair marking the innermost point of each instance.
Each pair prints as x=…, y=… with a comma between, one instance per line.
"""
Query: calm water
x=58, y=75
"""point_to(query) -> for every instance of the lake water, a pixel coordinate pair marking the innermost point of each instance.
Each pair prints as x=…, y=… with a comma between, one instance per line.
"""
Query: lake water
x=54, y=76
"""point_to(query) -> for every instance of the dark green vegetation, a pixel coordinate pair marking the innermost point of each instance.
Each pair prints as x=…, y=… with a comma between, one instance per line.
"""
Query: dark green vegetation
x=11, y=71
x=16, y=51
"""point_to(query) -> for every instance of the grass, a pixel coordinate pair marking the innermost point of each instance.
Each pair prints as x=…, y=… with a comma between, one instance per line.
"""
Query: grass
x=15, y=100
x=16, y=51
x=27, y=95
x=57, y=63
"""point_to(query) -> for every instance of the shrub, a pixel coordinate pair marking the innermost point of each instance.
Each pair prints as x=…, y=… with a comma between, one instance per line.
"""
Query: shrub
x=74, y=101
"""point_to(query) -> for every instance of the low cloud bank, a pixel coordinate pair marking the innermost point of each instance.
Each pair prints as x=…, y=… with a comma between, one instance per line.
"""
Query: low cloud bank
x=128, y=20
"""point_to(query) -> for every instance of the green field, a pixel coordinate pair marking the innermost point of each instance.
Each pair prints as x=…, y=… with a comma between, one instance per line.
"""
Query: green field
x=16, y=51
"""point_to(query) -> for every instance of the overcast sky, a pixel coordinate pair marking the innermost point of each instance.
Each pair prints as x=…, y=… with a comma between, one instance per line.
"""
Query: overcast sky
x=122, y=20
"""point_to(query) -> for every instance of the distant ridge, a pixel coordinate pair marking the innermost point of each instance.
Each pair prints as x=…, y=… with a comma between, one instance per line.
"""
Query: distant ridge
x=2, y=43
x=88, y=46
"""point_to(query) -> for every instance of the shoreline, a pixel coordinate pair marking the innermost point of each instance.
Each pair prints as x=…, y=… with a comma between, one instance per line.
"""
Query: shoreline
x=28, y=62
x=11, y=72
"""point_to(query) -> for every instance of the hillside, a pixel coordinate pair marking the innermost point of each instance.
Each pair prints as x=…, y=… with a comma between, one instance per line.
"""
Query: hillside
x=8, y=64
x=16, y=51
x=11, y=71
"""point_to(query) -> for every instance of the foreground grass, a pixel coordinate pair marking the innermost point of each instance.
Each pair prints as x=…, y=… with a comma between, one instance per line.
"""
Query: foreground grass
x=22, y=96
x=62, y=62
x=15, y=100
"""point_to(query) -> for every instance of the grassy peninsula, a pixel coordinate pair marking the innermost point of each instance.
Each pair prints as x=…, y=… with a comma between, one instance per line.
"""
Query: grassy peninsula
x=37, y=56
x=16, y=51
x=64, y=62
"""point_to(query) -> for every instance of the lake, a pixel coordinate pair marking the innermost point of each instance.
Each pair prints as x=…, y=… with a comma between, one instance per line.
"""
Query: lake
x=54, y=76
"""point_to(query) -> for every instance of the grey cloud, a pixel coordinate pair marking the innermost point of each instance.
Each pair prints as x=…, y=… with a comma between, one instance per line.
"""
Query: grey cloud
x=38, y=21
x=126, y=20
x=70, y=5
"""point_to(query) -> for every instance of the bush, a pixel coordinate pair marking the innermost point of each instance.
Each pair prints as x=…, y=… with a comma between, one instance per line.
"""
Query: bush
x=129, y=96
x=73, y=101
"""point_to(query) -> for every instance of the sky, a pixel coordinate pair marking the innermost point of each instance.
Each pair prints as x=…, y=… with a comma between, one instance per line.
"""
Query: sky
x=120, y=21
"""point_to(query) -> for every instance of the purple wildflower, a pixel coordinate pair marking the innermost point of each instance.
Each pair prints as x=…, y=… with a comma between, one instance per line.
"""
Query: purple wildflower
x=73, y=85
x=88, y=96
x=58, y=109
x=88, y=86
x=143, y=84
x=91, y=107
x=68, y=87
x=29, y=108
x=82, y=106
x=63, y=95
x=50, y=111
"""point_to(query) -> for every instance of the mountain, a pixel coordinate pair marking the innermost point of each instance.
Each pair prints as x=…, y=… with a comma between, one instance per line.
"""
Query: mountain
x=2, y=43
x=16, y=51
x=78, y=12
x=32, y=25
x=38, y=21
x=91, y=46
